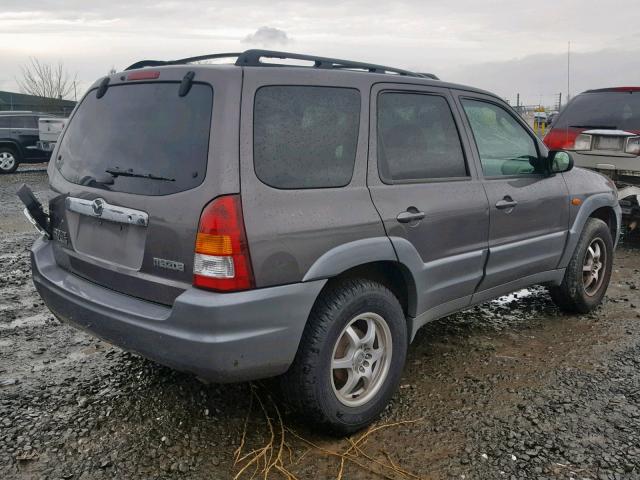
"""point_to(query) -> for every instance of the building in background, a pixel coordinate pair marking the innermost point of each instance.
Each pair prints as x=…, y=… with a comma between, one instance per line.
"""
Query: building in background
x=21, y=101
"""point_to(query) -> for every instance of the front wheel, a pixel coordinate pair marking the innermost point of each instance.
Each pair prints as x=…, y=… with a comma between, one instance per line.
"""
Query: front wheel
x=350, y=357
x=8, y=160
x=589, y=271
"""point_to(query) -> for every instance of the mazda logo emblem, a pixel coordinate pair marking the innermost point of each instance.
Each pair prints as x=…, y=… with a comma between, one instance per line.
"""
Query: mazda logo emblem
x=98, y=206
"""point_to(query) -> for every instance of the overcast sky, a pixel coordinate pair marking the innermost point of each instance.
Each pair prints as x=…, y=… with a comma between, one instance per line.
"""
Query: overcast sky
x=503, y=46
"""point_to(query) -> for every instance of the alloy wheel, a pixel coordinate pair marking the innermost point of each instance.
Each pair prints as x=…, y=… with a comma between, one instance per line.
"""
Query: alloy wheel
x=593, y=266
x=361, y=359
x=7, y=161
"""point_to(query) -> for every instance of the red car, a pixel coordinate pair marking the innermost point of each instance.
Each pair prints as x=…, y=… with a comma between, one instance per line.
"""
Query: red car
x=602, y=129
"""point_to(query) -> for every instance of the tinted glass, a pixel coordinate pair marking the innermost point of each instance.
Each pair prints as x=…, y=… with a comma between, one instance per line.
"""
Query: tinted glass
x=5, y=122
x=615, y=110
x=144, y=127
x=417, y=138
x=305, y=137
x=24, y=122
x=505, y=147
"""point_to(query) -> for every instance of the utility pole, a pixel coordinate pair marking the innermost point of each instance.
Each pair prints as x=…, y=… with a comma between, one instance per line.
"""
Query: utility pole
x=518, y=102
x=568, y=70
x=75, y=93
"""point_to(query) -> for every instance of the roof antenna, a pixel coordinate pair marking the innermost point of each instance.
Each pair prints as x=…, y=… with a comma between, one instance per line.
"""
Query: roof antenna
x=186, y=83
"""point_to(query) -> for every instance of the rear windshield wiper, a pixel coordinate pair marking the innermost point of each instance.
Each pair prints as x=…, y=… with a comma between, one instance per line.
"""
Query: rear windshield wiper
x=118, y=172
x=604, y=127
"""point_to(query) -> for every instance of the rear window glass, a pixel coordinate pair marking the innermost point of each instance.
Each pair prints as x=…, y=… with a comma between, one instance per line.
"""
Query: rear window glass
x=136, y=132
x=614, y=110
x=305, y=137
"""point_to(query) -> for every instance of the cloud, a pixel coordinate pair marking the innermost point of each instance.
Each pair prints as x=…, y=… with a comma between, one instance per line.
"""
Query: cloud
x=539, y=78
x=267, y=36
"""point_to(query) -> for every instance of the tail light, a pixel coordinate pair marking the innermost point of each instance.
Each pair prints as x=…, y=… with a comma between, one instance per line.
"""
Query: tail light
x=561, y=138
x=632, y=146
x=222, y=261
x=583, y=142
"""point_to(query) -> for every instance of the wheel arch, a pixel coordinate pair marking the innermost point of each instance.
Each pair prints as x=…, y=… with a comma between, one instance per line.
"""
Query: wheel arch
x=373, y=259
x=603, y=206
x=608, y=216
x=14, y=145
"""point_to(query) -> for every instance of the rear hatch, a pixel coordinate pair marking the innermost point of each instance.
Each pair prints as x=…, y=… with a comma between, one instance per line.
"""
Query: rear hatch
x=133, y=171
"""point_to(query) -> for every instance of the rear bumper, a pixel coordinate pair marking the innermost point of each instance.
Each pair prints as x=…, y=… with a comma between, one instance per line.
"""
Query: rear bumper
x=221, y=337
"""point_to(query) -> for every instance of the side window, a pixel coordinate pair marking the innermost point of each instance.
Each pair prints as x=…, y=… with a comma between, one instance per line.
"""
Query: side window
x=24, y=122
x=417, y=138
x=5, y=122
x=305, y=137
x=504, y=146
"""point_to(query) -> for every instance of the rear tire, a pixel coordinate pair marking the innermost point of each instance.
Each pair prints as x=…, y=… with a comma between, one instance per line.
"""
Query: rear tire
x=350, y=357
x=9, y=160
x=587, y=276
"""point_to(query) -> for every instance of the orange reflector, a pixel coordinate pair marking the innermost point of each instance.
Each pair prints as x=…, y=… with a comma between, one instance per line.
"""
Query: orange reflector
x=576, y=201
x=210, y=244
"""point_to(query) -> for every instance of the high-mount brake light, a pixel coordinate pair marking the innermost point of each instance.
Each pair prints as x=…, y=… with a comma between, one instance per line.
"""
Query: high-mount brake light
x=143, y=75
x=222, y=261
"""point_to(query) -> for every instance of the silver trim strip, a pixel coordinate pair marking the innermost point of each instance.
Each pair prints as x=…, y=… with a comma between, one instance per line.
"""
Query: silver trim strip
x=33, y=222
x=99, y=208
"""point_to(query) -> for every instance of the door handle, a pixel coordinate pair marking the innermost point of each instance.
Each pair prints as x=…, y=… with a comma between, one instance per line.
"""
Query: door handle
x=507, y=203
x=411, y=214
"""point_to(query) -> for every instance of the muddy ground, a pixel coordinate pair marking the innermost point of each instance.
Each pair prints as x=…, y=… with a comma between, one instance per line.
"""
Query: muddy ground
x=512, y=389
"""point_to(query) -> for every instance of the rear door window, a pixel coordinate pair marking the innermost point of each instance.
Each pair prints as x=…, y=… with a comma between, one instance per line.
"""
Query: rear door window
x=24, y=122
x=157, y=140
x=417, y=138
x=305, y=137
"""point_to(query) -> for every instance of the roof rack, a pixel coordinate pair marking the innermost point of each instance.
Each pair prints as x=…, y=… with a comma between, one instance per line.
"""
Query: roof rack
x=182, y=61
x=252, y=58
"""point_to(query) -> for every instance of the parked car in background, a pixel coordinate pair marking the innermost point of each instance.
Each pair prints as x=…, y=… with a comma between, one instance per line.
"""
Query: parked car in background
x=551, y=116
x=49, y=130
x=255, y=220
x=602, y=129
x=19, y=136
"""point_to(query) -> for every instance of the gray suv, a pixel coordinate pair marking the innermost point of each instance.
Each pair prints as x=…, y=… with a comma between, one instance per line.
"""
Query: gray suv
x=255, y=220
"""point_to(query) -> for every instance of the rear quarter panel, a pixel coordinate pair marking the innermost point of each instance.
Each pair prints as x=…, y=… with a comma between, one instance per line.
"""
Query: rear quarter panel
x=288, y=230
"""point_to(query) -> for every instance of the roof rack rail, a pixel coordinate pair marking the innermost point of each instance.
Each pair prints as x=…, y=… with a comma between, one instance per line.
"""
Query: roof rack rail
x=252, y=58
x=182, y=61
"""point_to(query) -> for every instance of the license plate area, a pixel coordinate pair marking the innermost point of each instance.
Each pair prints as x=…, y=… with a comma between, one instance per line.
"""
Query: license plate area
x=115, y=243
x=111, y=234
x=609, y=143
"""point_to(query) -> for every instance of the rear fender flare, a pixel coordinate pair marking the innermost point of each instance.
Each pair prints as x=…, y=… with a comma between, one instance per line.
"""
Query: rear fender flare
x=361, y=252
x=349, y=255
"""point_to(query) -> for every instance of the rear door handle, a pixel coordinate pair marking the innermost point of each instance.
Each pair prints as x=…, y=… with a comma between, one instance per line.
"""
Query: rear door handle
x=506, y=203
x=412, y=214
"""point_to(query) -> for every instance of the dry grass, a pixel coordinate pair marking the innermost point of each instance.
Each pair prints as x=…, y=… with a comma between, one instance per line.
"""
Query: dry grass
x=276, y=456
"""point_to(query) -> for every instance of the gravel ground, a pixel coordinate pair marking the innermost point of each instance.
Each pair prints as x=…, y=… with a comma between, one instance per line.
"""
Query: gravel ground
x=511, y=389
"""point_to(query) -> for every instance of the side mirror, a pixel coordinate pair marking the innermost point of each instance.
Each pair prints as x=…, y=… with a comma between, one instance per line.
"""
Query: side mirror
x=559, y=161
